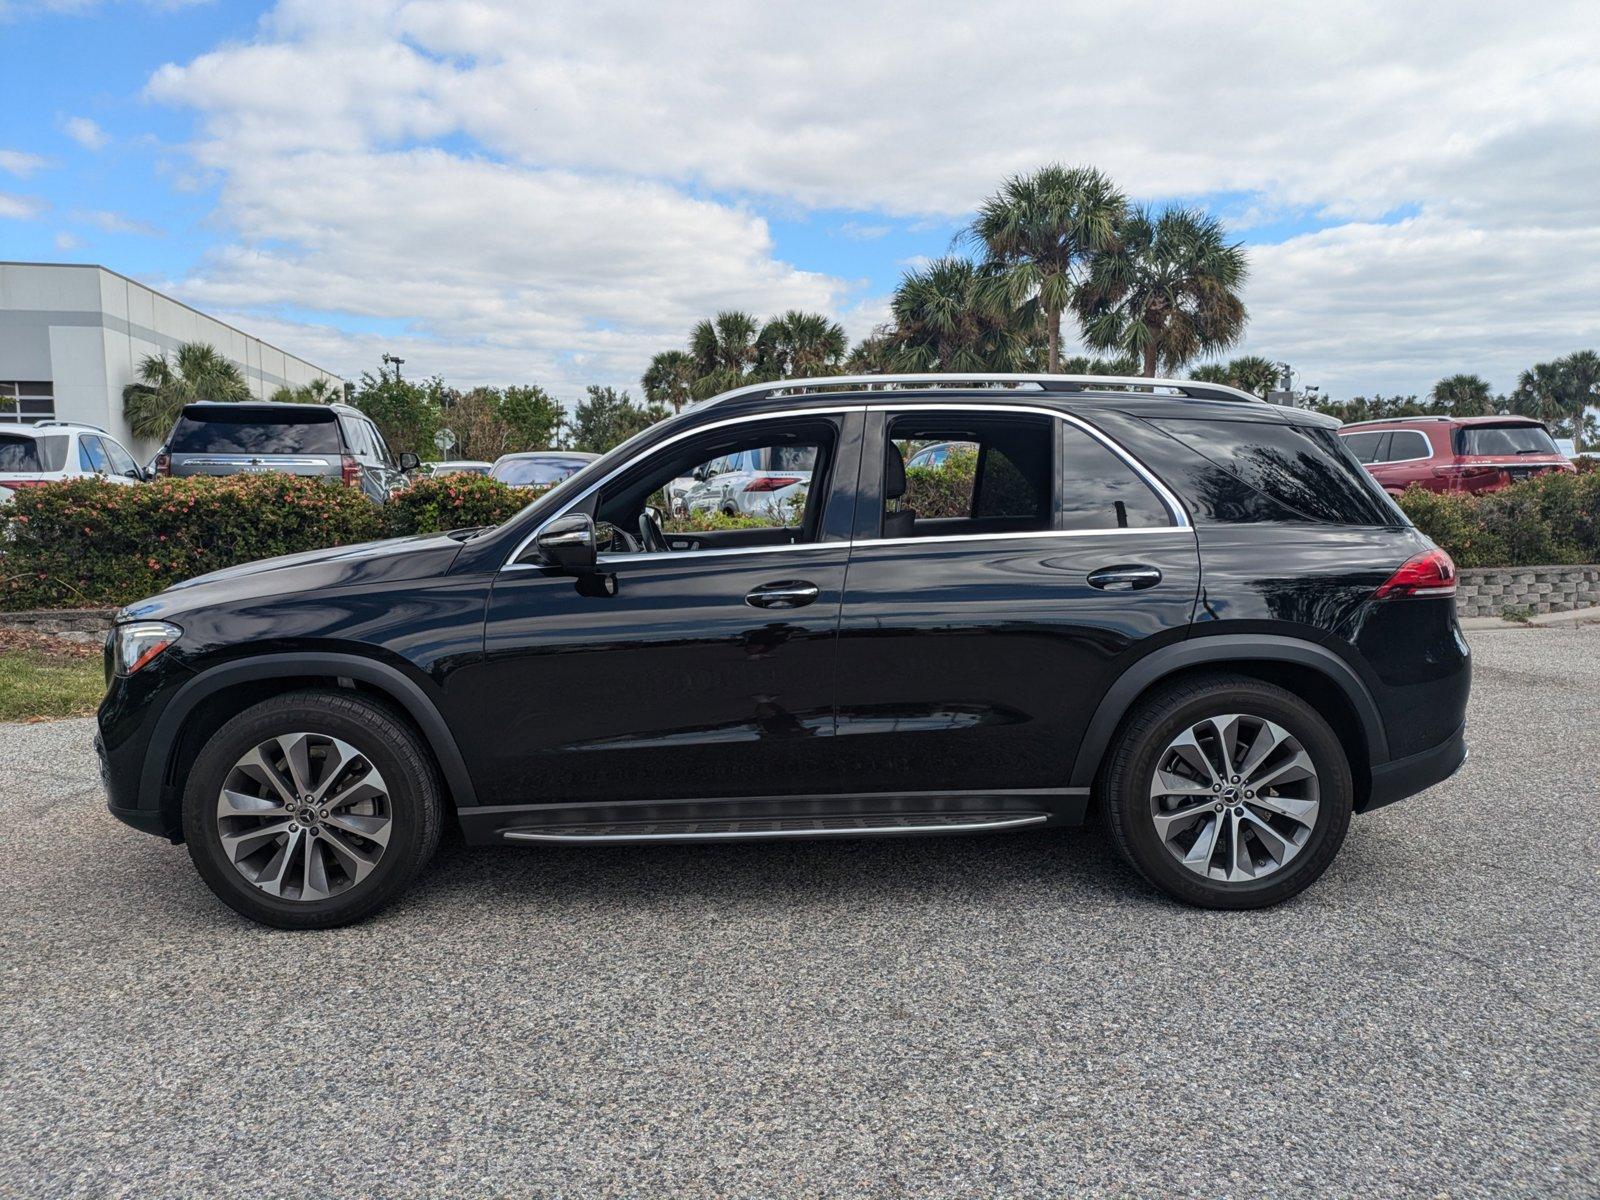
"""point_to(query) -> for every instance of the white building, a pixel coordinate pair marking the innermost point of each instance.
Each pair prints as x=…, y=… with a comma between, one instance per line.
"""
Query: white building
x=71, y=337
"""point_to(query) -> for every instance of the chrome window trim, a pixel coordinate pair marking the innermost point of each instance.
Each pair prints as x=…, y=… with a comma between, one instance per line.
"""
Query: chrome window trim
x=1175, y=509
x=1393, y=433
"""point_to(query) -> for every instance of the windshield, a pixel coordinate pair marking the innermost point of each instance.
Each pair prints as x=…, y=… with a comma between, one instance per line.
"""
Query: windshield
x=243, y=430
x=536, y=472
x=1505, y=439
x=20, y=453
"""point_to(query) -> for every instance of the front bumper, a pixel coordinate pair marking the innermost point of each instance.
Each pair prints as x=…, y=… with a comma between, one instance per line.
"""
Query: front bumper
x=1417, y=772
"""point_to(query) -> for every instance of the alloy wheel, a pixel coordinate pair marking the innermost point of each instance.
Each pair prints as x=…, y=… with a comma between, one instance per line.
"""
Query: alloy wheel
x=1234, y=798
x=304, y=816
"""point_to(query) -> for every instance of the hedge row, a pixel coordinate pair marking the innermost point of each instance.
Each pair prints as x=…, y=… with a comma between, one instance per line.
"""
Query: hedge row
x=88, y=542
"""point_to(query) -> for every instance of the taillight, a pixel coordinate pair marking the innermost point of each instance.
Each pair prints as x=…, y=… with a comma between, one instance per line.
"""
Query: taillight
x=349, y=470
x=163, y=463
x=771, y=483
x=1431, y=573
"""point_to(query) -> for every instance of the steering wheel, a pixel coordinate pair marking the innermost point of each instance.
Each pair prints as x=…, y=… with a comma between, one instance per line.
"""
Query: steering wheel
x=650, y=532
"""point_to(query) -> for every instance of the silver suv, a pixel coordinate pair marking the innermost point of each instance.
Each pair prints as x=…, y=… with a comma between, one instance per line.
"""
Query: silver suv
x=329, y=441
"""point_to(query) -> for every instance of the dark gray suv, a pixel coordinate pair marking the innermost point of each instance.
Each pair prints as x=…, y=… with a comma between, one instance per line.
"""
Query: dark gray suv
x=331, y=441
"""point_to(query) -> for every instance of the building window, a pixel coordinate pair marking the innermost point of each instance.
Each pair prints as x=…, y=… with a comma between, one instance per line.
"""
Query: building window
x=26, y=402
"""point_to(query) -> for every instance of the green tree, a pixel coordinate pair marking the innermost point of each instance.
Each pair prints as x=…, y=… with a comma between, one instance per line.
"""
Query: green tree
x=318, y=391
x=669, y=379
x=799, y=345
x=407, y=413
x=195, y=372
x=607, y=418
x=724, y=352
x=873, y=354
x=1039, y=230
x=949, y=316
x=1166, y=291
x=1464, y=395
x=533, y=415
x=1582, y=386
x=1251, y=373
x=1084, y=364
x=1542, y=392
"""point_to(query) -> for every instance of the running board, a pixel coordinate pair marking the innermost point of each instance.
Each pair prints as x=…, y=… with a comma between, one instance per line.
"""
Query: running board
x=775, y=827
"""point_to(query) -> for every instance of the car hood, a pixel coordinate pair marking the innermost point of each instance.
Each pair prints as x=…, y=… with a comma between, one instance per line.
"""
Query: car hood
x=367, y=564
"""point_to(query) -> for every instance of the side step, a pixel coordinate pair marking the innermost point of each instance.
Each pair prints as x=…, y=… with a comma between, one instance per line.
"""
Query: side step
x=776, y=827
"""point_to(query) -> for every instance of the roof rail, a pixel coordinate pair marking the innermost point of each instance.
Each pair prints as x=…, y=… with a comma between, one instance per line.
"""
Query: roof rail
x=1392, y=420
x=77, y=424
x=1187, y=388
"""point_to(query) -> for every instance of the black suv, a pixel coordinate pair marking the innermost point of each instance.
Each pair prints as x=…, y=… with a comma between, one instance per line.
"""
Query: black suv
x=1191, y=607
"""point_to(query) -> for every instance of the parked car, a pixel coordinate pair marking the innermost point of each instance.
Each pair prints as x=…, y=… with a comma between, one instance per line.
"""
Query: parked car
x=937, y=454
x=1454, y=454
x=325, y=441
x=539, y=468
x=764, y=481
x=51, y=451
x=577, y=677
x=464, y=466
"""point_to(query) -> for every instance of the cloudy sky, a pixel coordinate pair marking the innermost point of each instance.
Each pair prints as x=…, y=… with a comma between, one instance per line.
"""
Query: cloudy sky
x=502, y=191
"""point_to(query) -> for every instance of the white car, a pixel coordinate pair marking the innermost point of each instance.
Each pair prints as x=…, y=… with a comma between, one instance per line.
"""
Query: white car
x=55, y=450
x=764, y=482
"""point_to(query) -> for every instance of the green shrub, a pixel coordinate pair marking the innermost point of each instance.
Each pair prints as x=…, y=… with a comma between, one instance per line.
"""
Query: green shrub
x=945, y=490
x=89, y=542
x=459, y=501
x=1551, y=519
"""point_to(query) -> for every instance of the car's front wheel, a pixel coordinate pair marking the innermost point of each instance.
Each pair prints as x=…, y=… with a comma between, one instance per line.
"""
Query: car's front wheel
x=311, y=810
x=1227, y=792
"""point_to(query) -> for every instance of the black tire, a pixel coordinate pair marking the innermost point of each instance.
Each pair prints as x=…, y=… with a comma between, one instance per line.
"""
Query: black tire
x=383, y=738
x=1125, y=783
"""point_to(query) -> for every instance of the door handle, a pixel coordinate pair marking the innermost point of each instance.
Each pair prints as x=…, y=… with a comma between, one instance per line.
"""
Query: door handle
x=793, y=593
x=1125, y=578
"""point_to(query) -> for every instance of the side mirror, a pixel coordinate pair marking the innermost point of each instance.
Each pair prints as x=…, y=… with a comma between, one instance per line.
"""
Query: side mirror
x=569, y=543
x=409, y=461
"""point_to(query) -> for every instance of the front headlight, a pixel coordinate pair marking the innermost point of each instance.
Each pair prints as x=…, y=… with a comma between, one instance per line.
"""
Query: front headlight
x=135, y=645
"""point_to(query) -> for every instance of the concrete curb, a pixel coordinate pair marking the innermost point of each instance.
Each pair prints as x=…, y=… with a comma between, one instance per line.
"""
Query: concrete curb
x=1569, y=619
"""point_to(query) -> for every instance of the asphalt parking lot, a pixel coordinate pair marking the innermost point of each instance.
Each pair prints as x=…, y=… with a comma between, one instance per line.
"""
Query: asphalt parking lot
x=1012, y=1015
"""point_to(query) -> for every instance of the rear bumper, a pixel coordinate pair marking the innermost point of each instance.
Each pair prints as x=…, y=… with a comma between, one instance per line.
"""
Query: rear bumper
x=1417, y=772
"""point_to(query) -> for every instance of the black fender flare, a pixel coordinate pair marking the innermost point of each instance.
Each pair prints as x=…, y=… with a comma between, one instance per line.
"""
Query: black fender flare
x=1220, y=651
x=382, y=677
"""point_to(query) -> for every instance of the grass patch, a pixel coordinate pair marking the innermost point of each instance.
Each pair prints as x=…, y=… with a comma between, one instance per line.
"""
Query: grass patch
x=42, y=679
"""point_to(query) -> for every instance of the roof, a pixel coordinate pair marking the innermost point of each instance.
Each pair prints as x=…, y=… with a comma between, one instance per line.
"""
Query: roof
x=1431, y=418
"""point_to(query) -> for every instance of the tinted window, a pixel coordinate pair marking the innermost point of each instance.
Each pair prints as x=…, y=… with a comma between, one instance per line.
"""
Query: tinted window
x=238, y=429
x=90, y=455
x=121, y=461
x=998, y=480
x=1100, y=491
x=1365, y=446
x=357, y=438
x=536, y=472
x=1405, y=444
x=1305, y=470
x=379, y=446
x=19, y=454
x=1504, y=439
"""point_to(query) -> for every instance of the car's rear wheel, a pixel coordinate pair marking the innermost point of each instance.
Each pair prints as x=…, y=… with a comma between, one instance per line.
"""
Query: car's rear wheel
x=1227, y=792
x=311, y=810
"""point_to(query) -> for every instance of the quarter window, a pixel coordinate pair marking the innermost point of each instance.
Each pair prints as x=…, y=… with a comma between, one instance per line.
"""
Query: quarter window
x=1406, y=444
x=1100, y=491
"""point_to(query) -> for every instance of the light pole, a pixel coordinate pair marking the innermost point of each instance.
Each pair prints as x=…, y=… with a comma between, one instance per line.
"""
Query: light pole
x=395, y=362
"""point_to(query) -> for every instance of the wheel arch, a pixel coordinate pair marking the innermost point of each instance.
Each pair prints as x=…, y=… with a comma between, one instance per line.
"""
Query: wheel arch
x=1310, y=671
x=219, y=693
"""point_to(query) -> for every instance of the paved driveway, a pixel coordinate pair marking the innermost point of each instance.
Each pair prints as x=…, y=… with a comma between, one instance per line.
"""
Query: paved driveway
x=1013, y=1015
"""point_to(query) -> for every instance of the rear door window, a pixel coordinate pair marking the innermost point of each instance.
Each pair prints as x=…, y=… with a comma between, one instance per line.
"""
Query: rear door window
x=27, y=455
x=1366, y=446
x=1407, y=444
x=239, y=429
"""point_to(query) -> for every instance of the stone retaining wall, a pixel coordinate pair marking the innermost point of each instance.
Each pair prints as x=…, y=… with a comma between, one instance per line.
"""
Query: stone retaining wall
x=77, y=624
x=1490, y=591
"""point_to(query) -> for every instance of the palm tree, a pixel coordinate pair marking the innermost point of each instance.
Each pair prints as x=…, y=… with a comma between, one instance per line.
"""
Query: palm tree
x=318, y=391
x=1541, y=393
x=195, y=371
x=1039, y=228
x=669, y=379
x=1084, y=364
x=1166, y=291
x=1464, y=395
x=949, y=316
x=724, y=352
x=1582, y=370
x=800, y=345
x=873, y=354
x=1254, y=374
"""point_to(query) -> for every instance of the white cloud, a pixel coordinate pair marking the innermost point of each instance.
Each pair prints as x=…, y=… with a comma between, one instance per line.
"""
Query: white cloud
x=110, y=222
x=68, y=241
x=22, y=164
x=86, y=133
x=21, y=208
x=569, y=225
